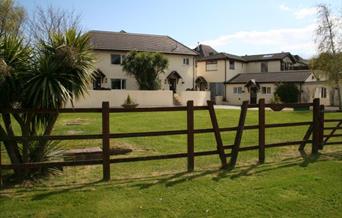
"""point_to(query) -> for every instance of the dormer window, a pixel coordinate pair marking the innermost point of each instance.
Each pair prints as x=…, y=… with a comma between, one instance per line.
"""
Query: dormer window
x=264, y=67
x=231, y=65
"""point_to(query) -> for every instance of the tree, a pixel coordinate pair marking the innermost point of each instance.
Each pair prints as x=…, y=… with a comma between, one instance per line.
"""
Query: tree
x=287, y=92
x=58, y=72
x=329, y=61
x=47, y=21
x=11, y=17
x=146, y=68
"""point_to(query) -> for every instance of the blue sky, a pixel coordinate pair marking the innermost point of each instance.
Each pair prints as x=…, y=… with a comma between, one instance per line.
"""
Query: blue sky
x=237, y=27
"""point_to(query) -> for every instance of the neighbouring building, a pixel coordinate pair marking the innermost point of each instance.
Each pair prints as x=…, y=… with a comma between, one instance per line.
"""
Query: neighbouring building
x=110, y=48
x=251, y=77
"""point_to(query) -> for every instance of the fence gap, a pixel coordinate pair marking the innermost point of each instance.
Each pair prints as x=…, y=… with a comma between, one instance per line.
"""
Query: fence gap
x=105, y=141
x=239, y=131
x=219, y=143
x=261, y=130
x=190, y=135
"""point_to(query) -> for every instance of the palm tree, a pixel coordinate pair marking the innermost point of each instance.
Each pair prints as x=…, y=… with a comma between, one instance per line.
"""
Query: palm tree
x=57, y=72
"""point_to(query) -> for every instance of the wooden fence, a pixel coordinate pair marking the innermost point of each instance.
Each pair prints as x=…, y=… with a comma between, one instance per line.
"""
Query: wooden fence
x=315, y=128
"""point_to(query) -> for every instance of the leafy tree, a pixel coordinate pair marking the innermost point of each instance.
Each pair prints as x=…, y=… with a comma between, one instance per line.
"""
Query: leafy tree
x=46, y=21
x=146, y=68
x=329, y=61
x=11, y=17
x=287, y=92
x=57, y=73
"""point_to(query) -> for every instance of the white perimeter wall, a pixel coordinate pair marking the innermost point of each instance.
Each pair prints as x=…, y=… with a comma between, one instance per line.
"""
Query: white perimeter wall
x=155, y=98
x=200, y=98
x=116, y=98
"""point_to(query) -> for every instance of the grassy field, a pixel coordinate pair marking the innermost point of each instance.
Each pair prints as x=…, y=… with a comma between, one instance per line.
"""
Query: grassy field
x=287, y=185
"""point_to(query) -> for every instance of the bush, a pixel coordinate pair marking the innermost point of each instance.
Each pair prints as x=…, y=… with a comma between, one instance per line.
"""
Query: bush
x=288, y=93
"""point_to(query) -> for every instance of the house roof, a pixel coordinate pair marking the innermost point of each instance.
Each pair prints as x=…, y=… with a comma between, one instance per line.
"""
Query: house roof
x=122, y=41
x=205, y=50
x=222, y=56
x=267, y=57
x=249, y=58
x=270, y=77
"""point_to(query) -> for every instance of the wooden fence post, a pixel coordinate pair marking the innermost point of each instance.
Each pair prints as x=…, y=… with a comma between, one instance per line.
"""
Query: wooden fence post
x=219, y=143
x=261, y=130
x=316, y=126
x=190, y=134
x=0, y=166
x=239, y=131
x=321, y=126
x=105, y=141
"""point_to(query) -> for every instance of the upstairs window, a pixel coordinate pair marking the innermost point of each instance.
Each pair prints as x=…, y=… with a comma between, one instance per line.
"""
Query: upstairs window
x=116, y=58
x=211, y=65
x=186, y=61
x=231, y=65
x=118, y=83
x=264, y=67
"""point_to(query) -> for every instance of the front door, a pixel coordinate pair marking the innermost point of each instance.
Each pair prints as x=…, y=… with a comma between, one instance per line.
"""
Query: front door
x=253, y=95
x=173, y=85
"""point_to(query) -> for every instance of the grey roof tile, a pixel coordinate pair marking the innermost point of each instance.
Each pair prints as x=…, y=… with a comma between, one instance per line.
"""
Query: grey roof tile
x=122, y=41
x=271, y=77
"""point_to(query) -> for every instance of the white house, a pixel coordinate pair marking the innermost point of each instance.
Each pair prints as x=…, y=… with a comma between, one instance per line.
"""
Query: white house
x=110, y=49
x=251, y=77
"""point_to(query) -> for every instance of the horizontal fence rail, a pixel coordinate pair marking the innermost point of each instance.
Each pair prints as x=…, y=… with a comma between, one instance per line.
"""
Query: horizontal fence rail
x=315, y=129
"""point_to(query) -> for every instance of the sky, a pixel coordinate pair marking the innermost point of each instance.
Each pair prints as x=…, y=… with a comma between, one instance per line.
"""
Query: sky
x=234, y=26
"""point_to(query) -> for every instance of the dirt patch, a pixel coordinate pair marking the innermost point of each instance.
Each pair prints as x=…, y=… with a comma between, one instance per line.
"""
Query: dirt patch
x=95, y=153
x=76, y=122
x=74, y=132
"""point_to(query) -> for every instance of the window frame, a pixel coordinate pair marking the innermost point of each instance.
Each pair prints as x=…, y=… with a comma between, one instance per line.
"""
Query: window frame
x=123, y=83
x=186, y=61
x=111, y=59
x=214, y=62
x=265, y=68
x=237, y=90
x=323, y=92
x=231, y=65
x=266, y=90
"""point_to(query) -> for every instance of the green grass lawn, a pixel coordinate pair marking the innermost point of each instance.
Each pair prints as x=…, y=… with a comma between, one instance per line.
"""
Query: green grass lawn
x=287, y=185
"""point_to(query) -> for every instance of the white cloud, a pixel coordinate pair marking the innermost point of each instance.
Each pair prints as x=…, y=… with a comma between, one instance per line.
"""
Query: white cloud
x=296, y=40
x=299, y=13
x=284, y=7
x=305, y=12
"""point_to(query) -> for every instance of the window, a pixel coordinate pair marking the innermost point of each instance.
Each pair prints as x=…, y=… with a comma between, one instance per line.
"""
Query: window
x=118, y=84
x=115, y=59
x=266, y=90
x=231, y=64
x=264, y=67
x=237, y=90
x=323, y=92
x=186, y=61
x=211, y=65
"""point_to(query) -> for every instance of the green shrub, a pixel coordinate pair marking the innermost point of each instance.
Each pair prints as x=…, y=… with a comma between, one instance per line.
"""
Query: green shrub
x=288, y=93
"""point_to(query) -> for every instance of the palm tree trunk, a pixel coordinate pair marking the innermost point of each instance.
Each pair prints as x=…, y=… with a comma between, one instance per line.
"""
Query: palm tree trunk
x=48, y=130
x=11, y=146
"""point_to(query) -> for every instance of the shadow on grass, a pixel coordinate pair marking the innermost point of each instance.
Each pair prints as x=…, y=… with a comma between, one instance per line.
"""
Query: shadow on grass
x=173, y=179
